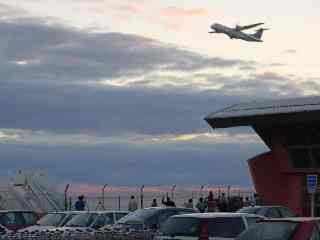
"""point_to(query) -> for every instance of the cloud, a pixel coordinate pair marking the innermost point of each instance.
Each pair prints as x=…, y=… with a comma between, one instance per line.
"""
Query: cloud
x=132, y=8
x=25, y=136
x=127, y=108
x=177, y=12
x=121, y=165
x=60, y=54
x=290, y=51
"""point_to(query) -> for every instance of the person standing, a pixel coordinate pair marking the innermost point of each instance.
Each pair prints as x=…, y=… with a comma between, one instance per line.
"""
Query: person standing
x=189, y=204
x=223, y=204
x=133, y=205
x=201, y=205
x=211, y=203
x=168, y=202
x=80, y=203
x=154, y=203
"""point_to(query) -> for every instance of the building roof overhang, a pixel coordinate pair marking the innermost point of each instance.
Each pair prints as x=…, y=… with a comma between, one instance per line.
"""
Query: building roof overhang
x=263, y=116
x=268, y=113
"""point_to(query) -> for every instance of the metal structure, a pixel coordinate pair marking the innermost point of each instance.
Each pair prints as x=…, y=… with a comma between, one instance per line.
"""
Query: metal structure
x=30, y=192
x=141, y=195
x=103, y=191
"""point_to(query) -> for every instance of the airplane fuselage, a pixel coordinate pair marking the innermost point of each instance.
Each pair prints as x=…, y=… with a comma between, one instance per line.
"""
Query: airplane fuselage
x=233, y=33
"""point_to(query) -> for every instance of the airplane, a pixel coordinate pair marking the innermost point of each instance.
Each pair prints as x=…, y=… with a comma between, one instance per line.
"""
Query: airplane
x=237, y=32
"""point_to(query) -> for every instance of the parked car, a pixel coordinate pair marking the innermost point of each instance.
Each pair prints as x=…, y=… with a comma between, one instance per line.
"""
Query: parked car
x=94, y=219
x=284, y=229
x=84, y=225
x=15, y=220
x=51, y=220
x=205, y=226
x=147, y=218
x=4, y=232
x=269, y=211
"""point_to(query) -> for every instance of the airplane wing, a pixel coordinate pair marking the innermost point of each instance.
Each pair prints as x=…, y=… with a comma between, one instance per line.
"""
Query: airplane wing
x=240, y=28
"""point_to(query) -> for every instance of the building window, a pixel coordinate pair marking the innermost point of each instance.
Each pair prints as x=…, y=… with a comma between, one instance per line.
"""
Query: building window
x=300, y=158
x=316, y=156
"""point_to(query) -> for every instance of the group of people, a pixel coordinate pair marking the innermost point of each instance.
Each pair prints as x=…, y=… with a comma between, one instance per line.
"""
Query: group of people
x=222, y=203
x=133, y=204
x=207, y=204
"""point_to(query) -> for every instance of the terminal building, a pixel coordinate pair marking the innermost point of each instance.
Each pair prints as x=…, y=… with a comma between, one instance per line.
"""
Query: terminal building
x=291, y=130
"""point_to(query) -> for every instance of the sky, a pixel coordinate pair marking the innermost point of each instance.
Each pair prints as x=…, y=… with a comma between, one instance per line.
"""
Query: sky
x=99, y=91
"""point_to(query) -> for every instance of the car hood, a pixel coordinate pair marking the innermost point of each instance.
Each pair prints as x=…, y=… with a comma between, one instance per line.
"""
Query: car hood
x=127, y=226
x=36, y=228
x=75, y=229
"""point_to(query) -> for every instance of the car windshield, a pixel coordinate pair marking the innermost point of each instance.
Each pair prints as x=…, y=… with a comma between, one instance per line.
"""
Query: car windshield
x=270, y=231
x=52, y=219
x=181, y=226
x=140, y=215
x=250, y=210
x=82, y=220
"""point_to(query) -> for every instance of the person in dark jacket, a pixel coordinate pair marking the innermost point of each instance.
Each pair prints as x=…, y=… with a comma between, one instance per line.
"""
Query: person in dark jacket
x=80, y=204
x=211, y=203
x=154, y=203
x=201, y=205
x=168, y=202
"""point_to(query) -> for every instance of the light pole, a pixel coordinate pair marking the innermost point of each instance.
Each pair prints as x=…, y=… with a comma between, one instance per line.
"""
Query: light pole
x=200, y=192
x=103, y=190
x=141, y=195
x=172, y=191
x=66, y=197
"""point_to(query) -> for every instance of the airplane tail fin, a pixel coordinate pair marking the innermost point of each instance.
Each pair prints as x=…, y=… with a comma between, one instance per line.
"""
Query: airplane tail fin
x=259, y=33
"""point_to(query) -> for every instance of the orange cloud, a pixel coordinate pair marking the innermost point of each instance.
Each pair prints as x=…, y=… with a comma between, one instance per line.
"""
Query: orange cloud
x=181, y=12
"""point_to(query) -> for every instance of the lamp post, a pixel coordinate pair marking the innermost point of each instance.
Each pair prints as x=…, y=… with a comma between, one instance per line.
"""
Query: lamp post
x=66, y=197
x=200, y=192
x=172, y=191
x=141, y=195
x=103, y=190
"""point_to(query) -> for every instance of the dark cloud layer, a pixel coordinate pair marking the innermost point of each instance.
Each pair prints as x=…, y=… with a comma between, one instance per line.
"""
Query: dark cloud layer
x=56, y=53
x=120, y=165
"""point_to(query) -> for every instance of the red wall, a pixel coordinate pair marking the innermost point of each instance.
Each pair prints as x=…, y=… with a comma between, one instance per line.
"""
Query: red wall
x=276, y=182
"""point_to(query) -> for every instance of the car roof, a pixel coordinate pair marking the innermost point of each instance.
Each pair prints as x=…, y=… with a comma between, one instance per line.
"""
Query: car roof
x=7, y=211
x=293, y=219
x=217, y=215
x=265, y=206
x=65, y=212
x=103, y=211
x=174, y=208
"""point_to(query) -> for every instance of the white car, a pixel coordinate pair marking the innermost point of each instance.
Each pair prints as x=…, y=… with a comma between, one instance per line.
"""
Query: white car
x=206, y=226
x=88, y=222
x=51, y=220
x=269, y=211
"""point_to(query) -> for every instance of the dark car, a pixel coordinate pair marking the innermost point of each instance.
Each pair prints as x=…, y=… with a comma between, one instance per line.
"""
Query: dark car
x=205, y=226
x=148, y=218
x=269, y=211
x=283, y=229
x=15, y=220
